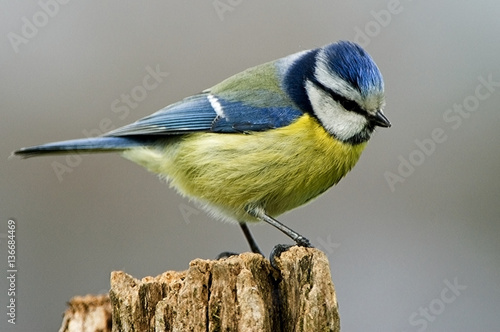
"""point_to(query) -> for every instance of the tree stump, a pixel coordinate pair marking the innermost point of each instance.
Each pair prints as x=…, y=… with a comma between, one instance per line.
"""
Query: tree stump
x=240, y=293
x=90, y=313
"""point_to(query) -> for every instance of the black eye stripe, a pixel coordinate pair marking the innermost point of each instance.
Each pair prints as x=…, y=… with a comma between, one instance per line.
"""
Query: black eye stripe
x=348, y=104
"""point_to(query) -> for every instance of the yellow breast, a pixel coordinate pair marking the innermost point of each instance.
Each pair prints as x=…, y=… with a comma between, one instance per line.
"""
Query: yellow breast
x=277, y=170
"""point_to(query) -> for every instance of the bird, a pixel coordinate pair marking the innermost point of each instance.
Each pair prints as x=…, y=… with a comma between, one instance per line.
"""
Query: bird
x=260, y=143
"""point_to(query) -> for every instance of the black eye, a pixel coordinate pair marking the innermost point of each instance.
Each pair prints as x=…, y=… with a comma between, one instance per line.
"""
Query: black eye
x=349, y=104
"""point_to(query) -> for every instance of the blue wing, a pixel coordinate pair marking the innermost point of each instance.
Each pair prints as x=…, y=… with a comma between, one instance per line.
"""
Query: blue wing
x=189, y=115
x=209, y=113
x=250, y=101
x=199, y=113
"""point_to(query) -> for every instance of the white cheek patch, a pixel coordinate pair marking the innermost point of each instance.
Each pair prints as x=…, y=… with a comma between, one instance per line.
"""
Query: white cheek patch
x=337, y=120
x=214, y=102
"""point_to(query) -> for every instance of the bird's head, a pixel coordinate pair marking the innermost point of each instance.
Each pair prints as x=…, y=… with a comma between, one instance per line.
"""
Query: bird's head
x=341, y=86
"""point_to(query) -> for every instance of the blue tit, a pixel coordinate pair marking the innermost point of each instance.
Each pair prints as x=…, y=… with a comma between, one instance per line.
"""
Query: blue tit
x=261, y=142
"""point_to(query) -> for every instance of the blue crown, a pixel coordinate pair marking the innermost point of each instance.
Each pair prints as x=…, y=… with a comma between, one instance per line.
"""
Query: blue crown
x=353, y=64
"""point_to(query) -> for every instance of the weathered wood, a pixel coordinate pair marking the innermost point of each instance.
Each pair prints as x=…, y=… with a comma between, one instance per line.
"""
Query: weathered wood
x=90, y=313
x=240, y=293
x=306, y=291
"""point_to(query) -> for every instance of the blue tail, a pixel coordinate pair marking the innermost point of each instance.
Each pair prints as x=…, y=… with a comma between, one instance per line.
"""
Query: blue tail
x=97, y=144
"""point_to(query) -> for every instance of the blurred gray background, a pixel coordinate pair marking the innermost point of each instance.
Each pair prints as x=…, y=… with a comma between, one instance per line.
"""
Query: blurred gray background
x=412, y=233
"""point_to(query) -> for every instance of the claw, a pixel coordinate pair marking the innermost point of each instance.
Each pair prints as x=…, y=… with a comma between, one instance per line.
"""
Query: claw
x=276, y=253
x=226, y=254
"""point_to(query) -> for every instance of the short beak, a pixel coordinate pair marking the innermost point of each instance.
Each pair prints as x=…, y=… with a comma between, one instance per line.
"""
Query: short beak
x=380, y=120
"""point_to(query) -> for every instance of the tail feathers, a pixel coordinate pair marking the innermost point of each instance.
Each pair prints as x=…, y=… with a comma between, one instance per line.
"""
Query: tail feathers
x=97, y=144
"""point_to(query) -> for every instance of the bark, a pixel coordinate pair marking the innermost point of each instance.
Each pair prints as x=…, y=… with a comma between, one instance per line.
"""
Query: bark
x=240, y=293
x=90, y=313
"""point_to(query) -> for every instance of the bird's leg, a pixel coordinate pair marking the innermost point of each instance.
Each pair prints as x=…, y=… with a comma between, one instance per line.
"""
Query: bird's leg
x=250, y=239
x=261, y=215
x=253, y=245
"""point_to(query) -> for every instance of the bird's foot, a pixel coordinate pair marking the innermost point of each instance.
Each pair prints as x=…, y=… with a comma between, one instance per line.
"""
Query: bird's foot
x=281, y=248
x=303, y=242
